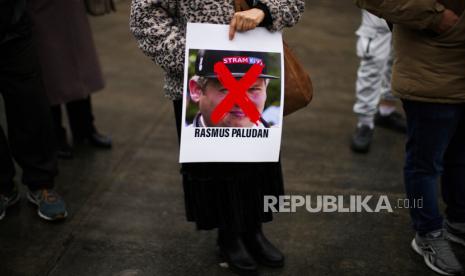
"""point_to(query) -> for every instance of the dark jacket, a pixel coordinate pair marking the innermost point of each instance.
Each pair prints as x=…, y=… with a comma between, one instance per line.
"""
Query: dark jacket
x=428, y=67
x=67, y=55
x=13, y=22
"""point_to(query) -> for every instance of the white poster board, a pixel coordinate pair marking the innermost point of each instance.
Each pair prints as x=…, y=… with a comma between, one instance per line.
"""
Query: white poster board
x=248, y=126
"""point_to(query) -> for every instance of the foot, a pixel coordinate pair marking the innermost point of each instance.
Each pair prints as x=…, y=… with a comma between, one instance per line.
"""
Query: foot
x=455, y=232
x=394, y=121
x=7, y=200
x=361, y=139
x=437, y=253
x=97, y=140
x=65, y=151
x=262, y=249
x=100, y=140
x=50, y=204
x=235, y=254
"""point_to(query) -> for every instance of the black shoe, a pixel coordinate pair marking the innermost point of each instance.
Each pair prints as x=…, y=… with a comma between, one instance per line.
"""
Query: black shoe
x=262, y=249
x=100, y=141
x=95, y=139
x=361, y=139
x=65, y=151
x=394, y=121
x=235, y=254
x=8, y=200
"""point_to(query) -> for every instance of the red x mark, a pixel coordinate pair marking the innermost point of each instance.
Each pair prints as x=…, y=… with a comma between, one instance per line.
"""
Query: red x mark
x=237, y=92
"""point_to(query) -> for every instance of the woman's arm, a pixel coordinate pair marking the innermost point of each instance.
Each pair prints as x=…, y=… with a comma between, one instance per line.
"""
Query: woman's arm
x=284, y=13
x=159, y=33
x=273, y=14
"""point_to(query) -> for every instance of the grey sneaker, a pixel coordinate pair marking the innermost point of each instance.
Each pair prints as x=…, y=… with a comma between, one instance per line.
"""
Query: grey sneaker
x=50, y=204
x=455, y=232
x=437, y=253
x=7, y=200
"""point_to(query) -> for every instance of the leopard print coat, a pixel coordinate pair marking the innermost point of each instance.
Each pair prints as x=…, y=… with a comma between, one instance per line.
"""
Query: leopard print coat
x=159, y=27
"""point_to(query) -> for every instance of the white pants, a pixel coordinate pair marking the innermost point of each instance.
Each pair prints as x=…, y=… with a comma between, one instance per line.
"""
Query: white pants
x=374, y=73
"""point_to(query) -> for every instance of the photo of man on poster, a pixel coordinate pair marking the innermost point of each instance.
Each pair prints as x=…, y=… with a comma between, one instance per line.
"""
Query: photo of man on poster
x=206, y=91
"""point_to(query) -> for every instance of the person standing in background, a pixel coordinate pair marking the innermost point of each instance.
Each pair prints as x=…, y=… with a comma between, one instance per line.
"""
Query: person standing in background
x=30, y=132
x=70, y=69
x=429, y=77
x=375, y=105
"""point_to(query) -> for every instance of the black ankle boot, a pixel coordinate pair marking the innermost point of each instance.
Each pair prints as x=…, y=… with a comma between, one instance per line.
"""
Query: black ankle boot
x=100, y=140
x=262, y=249
x=64, y=151
x=95, y=139
x=235, y=253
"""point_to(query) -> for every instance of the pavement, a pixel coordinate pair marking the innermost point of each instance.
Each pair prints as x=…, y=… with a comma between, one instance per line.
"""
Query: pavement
x=126, y=205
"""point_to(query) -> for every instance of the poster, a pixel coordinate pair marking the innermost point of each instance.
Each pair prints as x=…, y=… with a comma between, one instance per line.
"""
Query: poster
x=233, y=95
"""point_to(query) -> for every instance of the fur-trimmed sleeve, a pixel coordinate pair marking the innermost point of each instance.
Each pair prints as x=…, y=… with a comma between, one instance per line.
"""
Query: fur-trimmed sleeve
x=284, y=13
x=159, y=33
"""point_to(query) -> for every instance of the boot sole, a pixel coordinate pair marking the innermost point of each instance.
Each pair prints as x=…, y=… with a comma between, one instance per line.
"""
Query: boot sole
x=267, y=263
x=427, y=260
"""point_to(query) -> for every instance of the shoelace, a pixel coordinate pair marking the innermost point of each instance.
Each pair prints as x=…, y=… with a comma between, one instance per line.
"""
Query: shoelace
x=442, y=248
x=49, y=196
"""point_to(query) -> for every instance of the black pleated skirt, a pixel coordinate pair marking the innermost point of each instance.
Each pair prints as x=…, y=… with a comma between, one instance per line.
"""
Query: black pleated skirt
x=228, y=195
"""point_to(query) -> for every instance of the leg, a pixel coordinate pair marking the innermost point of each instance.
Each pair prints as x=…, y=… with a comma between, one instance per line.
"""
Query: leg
x=374, y=53
x=30, y=130
x=8, y=191
x=387, y=116
x=7, y=168
x=386, y=94
x=178, y=114
x=57, y=122
x=431, y=128
x=371, y=51
x=453, y=178
x=367, y=89
x=430, y=131
x=64, y=149
x=81, y=121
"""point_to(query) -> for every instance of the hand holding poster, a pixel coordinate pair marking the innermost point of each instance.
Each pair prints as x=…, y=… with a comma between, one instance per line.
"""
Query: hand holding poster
x=233, y=96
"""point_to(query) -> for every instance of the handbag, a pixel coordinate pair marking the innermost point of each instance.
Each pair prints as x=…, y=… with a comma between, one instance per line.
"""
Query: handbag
x=298, y=88
x=100, y=7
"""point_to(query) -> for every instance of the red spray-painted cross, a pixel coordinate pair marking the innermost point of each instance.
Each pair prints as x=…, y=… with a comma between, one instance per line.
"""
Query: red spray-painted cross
x=237, y=92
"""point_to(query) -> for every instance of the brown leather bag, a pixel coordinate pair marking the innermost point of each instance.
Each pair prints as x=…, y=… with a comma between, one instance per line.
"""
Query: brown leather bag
x=298, y=88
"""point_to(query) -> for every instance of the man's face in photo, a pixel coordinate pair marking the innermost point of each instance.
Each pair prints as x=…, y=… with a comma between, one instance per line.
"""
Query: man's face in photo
x=213, y=92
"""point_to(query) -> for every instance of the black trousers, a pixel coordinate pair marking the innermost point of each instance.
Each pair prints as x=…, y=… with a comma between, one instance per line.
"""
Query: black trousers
x=80, y=116
x=30, y=132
